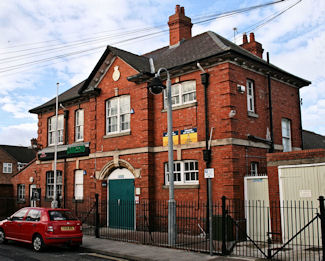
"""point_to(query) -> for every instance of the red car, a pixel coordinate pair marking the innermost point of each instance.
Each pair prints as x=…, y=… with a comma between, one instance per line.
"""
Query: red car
x=42, y=227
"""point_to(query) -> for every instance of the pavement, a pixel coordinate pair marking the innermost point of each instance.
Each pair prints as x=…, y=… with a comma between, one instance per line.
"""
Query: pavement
x=138, y=252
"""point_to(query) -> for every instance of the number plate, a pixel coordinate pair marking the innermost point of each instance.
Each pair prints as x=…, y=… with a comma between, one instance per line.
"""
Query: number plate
x=67, y=228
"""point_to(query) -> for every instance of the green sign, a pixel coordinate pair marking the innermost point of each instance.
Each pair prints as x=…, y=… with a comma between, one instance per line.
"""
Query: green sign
x=76, y=149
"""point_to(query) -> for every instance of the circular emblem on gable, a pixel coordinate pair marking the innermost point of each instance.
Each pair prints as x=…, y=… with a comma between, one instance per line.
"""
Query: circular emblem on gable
x=116, y=74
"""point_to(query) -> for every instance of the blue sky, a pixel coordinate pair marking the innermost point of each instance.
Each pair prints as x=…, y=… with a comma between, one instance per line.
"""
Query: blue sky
x=35, y=31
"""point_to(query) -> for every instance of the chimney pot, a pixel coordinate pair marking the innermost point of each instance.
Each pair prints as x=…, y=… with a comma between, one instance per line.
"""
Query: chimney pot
x=244, y=38
x=180, y=26
x=251, y=37
x=252, y=46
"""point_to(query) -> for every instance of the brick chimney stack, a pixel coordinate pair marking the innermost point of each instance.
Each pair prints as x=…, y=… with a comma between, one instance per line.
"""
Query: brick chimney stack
x=252, y=46
x=180, y=26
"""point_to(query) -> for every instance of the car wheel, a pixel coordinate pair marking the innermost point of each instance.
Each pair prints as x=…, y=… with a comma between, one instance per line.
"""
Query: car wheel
x=3, y=240
x=38, y=243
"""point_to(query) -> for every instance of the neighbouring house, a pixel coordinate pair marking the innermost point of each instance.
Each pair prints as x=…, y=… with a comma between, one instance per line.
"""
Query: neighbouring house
x=12, y=160
x=112, y=130
x=312, y=140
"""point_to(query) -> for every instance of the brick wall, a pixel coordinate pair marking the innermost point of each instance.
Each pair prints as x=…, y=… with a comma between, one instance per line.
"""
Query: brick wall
x=149, y=122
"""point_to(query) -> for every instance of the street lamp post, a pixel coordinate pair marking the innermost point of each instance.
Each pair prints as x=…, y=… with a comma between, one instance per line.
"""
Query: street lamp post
x=156, y=87
x=54, y=203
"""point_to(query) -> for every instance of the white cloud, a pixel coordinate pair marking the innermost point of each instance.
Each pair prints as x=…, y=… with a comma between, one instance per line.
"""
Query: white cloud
x=18, y=134
x=18, y=105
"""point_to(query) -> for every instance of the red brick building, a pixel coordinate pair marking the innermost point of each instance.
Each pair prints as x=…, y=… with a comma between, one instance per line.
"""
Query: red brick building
x=112, y=129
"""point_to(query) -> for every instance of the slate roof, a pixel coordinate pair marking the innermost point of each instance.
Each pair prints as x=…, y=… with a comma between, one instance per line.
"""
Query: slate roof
x=199, y=47
x=312, y=140
x=21, y=154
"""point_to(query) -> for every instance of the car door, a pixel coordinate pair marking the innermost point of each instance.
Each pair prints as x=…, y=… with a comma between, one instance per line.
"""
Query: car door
x=30, y=224
x=13, y=226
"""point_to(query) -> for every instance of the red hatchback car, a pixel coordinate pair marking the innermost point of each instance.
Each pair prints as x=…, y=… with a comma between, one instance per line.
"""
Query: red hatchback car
x=42, y=227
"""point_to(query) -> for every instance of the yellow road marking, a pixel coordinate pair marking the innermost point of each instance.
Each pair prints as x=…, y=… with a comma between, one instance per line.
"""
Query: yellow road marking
x=106, y=257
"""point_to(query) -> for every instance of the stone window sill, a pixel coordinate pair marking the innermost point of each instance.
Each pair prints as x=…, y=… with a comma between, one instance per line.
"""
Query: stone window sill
x=188, y=186
x=21, y=201
x=183, y=106
x=117, y=134
x=252, y=114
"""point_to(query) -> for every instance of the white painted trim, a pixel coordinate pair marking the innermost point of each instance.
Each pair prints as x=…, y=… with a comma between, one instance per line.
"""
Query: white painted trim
x=301, y=165
x=245, y=201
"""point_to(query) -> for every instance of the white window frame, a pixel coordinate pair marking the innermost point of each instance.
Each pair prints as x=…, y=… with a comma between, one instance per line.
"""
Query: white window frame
x=21, y=192
x=7, y=168
x=286, y=134
x=179, y=93
x=50, y=183
x=79, y=125
x=51, y=130
x=121, y=115
x=180, y=172
x=21, y=165
x=79, y=185
x=254, y=168
x=250, y=96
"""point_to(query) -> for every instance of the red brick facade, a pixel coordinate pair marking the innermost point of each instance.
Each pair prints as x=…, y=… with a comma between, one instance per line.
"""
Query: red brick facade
x=141, y=150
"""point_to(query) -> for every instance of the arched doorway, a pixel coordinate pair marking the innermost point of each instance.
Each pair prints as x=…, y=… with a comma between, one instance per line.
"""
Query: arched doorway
x=120, y=199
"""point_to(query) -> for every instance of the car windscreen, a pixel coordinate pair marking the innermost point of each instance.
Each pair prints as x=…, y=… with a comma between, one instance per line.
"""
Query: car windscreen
x=57, y=215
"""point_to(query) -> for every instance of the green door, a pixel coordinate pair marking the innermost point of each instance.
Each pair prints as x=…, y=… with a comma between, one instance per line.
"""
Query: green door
x=121, y=203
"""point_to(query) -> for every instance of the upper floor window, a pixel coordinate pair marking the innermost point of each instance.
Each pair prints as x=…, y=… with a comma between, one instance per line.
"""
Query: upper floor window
x=182, y=93
x=250, y=96
x=79, y=125
x=118, y=114
x=286, y=134
x=185, y=172
x=50, y=183
x=7, y=167
x=51, y=130
x=20, y=166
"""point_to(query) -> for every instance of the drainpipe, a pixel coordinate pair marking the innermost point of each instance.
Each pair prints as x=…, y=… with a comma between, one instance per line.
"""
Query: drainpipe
x=66, y=141
x=300, y=125
x=271, y=149
x=207, y=153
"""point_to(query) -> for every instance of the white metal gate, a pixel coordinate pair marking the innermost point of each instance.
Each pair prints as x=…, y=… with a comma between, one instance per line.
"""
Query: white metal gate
x=257, y=207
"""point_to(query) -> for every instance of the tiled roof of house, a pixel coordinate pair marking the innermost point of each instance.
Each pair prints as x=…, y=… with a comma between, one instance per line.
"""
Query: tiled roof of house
x=312, y=140
x=21, y=154
x=199, y=47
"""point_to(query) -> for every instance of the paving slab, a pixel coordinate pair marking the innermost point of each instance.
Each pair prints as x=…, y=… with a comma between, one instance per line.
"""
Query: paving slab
x=138, y=252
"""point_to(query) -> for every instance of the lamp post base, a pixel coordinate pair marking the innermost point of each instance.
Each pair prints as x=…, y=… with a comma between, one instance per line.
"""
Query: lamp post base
x=172, y=233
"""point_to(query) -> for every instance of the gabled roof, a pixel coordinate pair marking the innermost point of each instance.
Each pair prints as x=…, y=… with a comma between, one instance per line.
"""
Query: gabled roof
x=197, y=48
x=312, y=140
x=19, y=153
x=139, y=63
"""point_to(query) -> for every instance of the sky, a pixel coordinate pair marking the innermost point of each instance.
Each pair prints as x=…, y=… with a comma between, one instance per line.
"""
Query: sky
x=44, y=42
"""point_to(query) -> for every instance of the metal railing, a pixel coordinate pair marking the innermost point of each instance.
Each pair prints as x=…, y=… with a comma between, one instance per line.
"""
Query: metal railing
x=288, y=230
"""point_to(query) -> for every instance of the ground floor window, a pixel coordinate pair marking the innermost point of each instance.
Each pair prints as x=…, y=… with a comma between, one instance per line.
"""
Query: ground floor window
x=21, y=192
x=79, y=184
x=254, y=169
x=50, y=183
x=185, y=172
